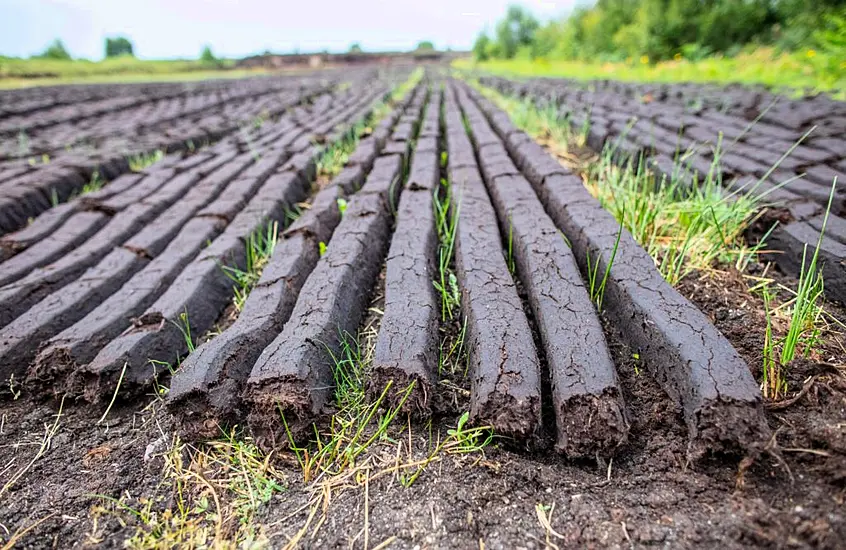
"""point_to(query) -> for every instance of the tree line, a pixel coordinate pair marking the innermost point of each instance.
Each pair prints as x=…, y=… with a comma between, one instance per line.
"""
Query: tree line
x=114, y=47
x=615, y=30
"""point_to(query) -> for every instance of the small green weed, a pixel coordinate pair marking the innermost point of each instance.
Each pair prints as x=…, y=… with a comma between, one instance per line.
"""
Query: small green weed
x=139, y=162
x=357, y=425
x=596, y=288
x=460, y=440
x=184, y=326
x=452, y=353
x=509, y=257
x=806, y=309
x=336, y=155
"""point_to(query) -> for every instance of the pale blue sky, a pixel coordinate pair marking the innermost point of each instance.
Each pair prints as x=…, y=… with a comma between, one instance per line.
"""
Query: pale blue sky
x=180, y=28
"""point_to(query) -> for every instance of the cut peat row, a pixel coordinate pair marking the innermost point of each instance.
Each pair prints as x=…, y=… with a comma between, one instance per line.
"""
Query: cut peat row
x=164, y=190
x=293, y=378
x=154, y=254
x=504, y=366
x=206, y=391
x=590, y=416
x=197, y=297
x=171, y=205
x=407, y=344
x=70, y=223
x=786, y=153
x=30, y=193
x=695, y=365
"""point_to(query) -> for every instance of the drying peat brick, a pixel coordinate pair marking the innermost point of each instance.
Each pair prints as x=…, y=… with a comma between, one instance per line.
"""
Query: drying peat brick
x=835, y=227
x=694, y=363
x=16, y=297
x=406, y=348
x=197, y=296
x=78, y=344
x=366, y=152
x=205, y=392
x=294, y=374
x=505, y=372
x=41, y=227
x=590, y=415
x=799, y=239
x=20, y=200
x=146, y=187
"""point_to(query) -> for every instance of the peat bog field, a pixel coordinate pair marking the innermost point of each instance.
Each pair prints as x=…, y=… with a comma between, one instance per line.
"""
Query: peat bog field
x=412, y=308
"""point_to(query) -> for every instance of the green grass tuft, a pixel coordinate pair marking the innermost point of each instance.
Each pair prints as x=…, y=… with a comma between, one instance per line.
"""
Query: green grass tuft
x=260, y=247
x=139, y=162
x=446, y=218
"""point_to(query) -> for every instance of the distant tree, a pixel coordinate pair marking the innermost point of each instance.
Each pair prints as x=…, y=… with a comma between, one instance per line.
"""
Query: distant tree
x=356, y=48
x=425, y=46
x=118, y=46
x=56, y=50
x=207, y=56
x=515, y=31
x=481, y=47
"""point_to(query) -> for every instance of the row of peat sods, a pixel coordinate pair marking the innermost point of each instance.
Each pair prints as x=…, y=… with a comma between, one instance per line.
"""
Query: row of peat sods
x=480, y=201
x=464, y=230
x=787, y=154
x=115, y=289
x=56, y=140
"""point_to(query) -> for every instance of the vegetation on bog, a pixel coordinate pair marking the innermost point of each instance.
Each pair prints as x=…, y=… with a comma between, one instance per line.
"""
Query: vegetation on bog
x=216, y=491
x=56, y=65
x=778, y=43
x=19, y=73
x=781, y=71
x=803, y=314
